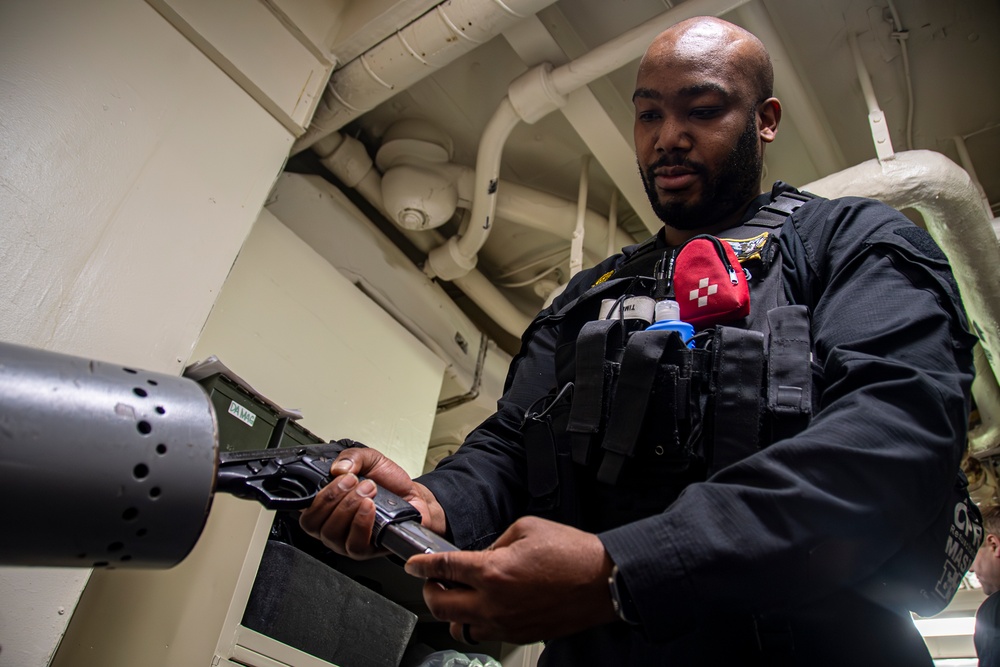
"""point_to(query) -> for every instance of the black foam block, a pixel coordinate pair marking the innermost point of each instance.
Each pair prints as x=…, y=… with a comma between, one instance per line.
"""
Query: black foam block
x=301, y=602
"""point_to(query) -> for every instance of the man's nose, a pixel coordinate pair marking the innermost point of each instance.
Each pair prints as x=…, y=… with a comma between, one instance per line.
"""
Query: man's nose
x=673, y=136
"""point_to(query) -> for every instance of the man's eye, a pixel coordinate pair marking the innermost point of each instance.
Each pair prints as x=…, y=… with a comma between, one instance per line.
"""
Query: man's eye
x=647, y=116
x=705, y=112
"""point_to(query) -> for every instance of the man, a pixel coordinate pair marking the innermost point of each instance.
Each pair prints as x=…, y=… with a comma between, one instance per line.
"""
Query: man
x=987, y=569
x=681, y=559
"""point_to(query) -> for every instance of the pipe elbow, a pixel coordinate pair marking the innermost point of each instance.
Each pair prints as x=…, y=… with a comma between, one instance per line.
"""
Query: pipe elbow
x=447, y=261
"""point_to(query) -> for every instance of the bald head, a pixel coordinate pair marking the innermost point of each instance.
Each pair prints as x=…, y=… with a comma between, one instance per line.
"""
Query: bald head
x=706, y=41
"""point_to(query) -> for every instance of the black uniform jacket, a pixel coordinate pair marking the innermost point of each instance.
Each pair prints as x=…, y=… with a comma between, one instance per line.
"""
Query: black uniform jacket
x=757, y=564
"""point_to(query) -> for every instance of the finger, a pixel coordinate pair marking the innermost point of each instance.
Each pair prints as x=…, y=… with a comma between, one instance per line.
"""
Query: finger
x=359, y=537
x=462, y=632
x=462, y=567
x=326, y=501
x=355, y=460
x=332, y=516
x=370, y=463
x=344, y=531
x=452, y=604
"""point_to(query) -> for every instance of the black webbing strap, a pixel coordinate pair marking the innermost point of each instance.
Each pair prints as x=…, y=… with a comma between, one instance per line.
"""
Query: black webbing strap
x=596, y=369
x=784, y=201
x=738, y=378
x=635, y=385
x=789, y=381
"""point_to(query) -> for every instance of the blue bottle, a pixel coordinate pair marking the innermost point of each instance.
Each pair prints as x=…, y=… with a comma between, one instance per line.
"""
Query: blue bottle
x=668, y=317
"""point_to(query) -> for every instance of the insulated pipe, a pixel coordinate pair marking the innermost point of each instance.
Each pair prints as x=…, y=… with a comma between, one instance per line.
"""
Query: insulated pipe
x=953, y=212
x=534, y=95
x=435, y=39
x=985, y=439
x=967, y=164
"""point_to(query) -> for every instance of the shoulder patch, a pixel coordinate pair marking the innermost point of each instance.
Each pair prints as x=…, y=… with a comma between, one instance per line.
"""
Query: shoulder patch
x=922, y=241
x=603, y=278
x=747, y=249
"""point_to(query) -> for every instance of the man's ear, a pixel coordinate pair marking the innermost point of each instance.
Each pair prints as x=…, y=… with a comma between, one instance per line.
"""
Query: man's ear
x=994, y=544
x=768, y=117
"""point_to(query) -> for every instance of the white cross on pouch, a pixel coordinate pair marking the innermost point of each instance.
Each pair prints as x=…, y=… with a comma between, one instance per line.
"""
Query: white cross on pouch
x=709, y=290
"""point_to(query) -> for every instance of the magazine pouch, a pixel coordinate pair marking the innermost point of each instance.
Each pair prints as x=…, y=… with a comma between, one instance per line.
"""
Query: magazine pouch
x=657, y=403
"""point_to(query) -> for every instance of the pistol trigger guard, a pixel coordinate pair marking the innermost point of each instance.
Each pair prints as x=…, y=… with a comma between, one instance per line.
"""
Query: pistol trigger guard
x=302, y=496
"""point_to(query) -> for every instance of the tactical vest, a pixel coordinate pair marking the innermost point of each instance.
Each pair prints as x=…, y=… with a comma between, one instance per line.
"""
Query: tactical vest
x=638, y=415
x=641, y=410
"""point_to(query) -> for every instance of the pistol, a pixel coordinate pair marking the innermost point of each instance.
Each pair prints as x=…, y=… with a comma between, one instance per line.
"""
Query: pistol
x=289, y=478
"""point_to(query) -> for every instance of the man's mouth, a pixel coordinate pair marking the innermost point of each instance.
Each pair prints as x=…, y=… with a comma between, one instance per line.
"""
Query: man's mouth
x=674, y=178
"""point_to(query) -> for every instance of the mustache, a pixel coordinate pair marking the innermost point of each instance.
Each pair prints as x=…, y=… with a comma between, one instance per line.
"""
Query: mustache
x=674, y=161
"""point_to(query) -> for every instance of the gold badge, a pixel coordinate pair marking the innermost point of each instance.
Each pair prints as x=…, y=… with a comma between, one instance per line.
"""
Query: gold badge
x=748, y=249
x=604, y=278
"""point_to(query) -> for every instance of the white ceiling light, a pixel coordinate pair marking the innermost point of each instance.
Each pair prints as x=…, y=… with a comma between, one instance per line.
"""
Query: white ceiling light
x=945, y=627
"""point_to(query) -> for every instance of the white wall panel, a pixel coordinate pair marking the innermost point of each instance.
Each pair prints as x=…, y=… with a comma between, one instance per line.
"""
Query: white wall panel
x=304, y=336
x=131, y=170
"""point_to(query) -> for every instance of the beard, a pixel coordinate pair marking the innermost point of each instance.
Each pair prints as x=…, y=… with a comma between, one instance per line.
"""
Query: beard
x=731, y=187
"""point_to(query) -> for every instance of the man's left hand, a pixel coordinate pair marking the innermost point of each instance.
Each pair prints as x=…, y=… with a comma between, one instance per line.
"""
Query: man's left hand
x=539, y=580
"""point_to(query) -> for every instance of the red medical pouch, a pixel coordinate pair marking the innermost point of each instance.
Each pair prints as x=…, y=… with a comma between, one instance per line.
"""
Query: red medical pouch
x=709, y=283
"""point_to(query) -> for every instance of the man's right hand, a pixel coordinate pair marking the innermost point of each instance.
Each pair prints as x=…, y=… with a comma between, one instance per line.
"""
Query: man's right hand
x=343, y=513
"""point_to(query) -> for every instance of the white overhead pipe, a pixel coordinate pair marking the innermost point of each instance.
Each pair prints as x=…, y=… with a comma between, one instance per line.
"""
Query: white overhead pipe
x=876, y=118
x=902, y=36
x=435, y=39
x=348, y=160
x=533, y=208
x=493, y=302
x=457, y=256
x=953, y=212
x=576, y=243
x=612, y=222
x=534, y=95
